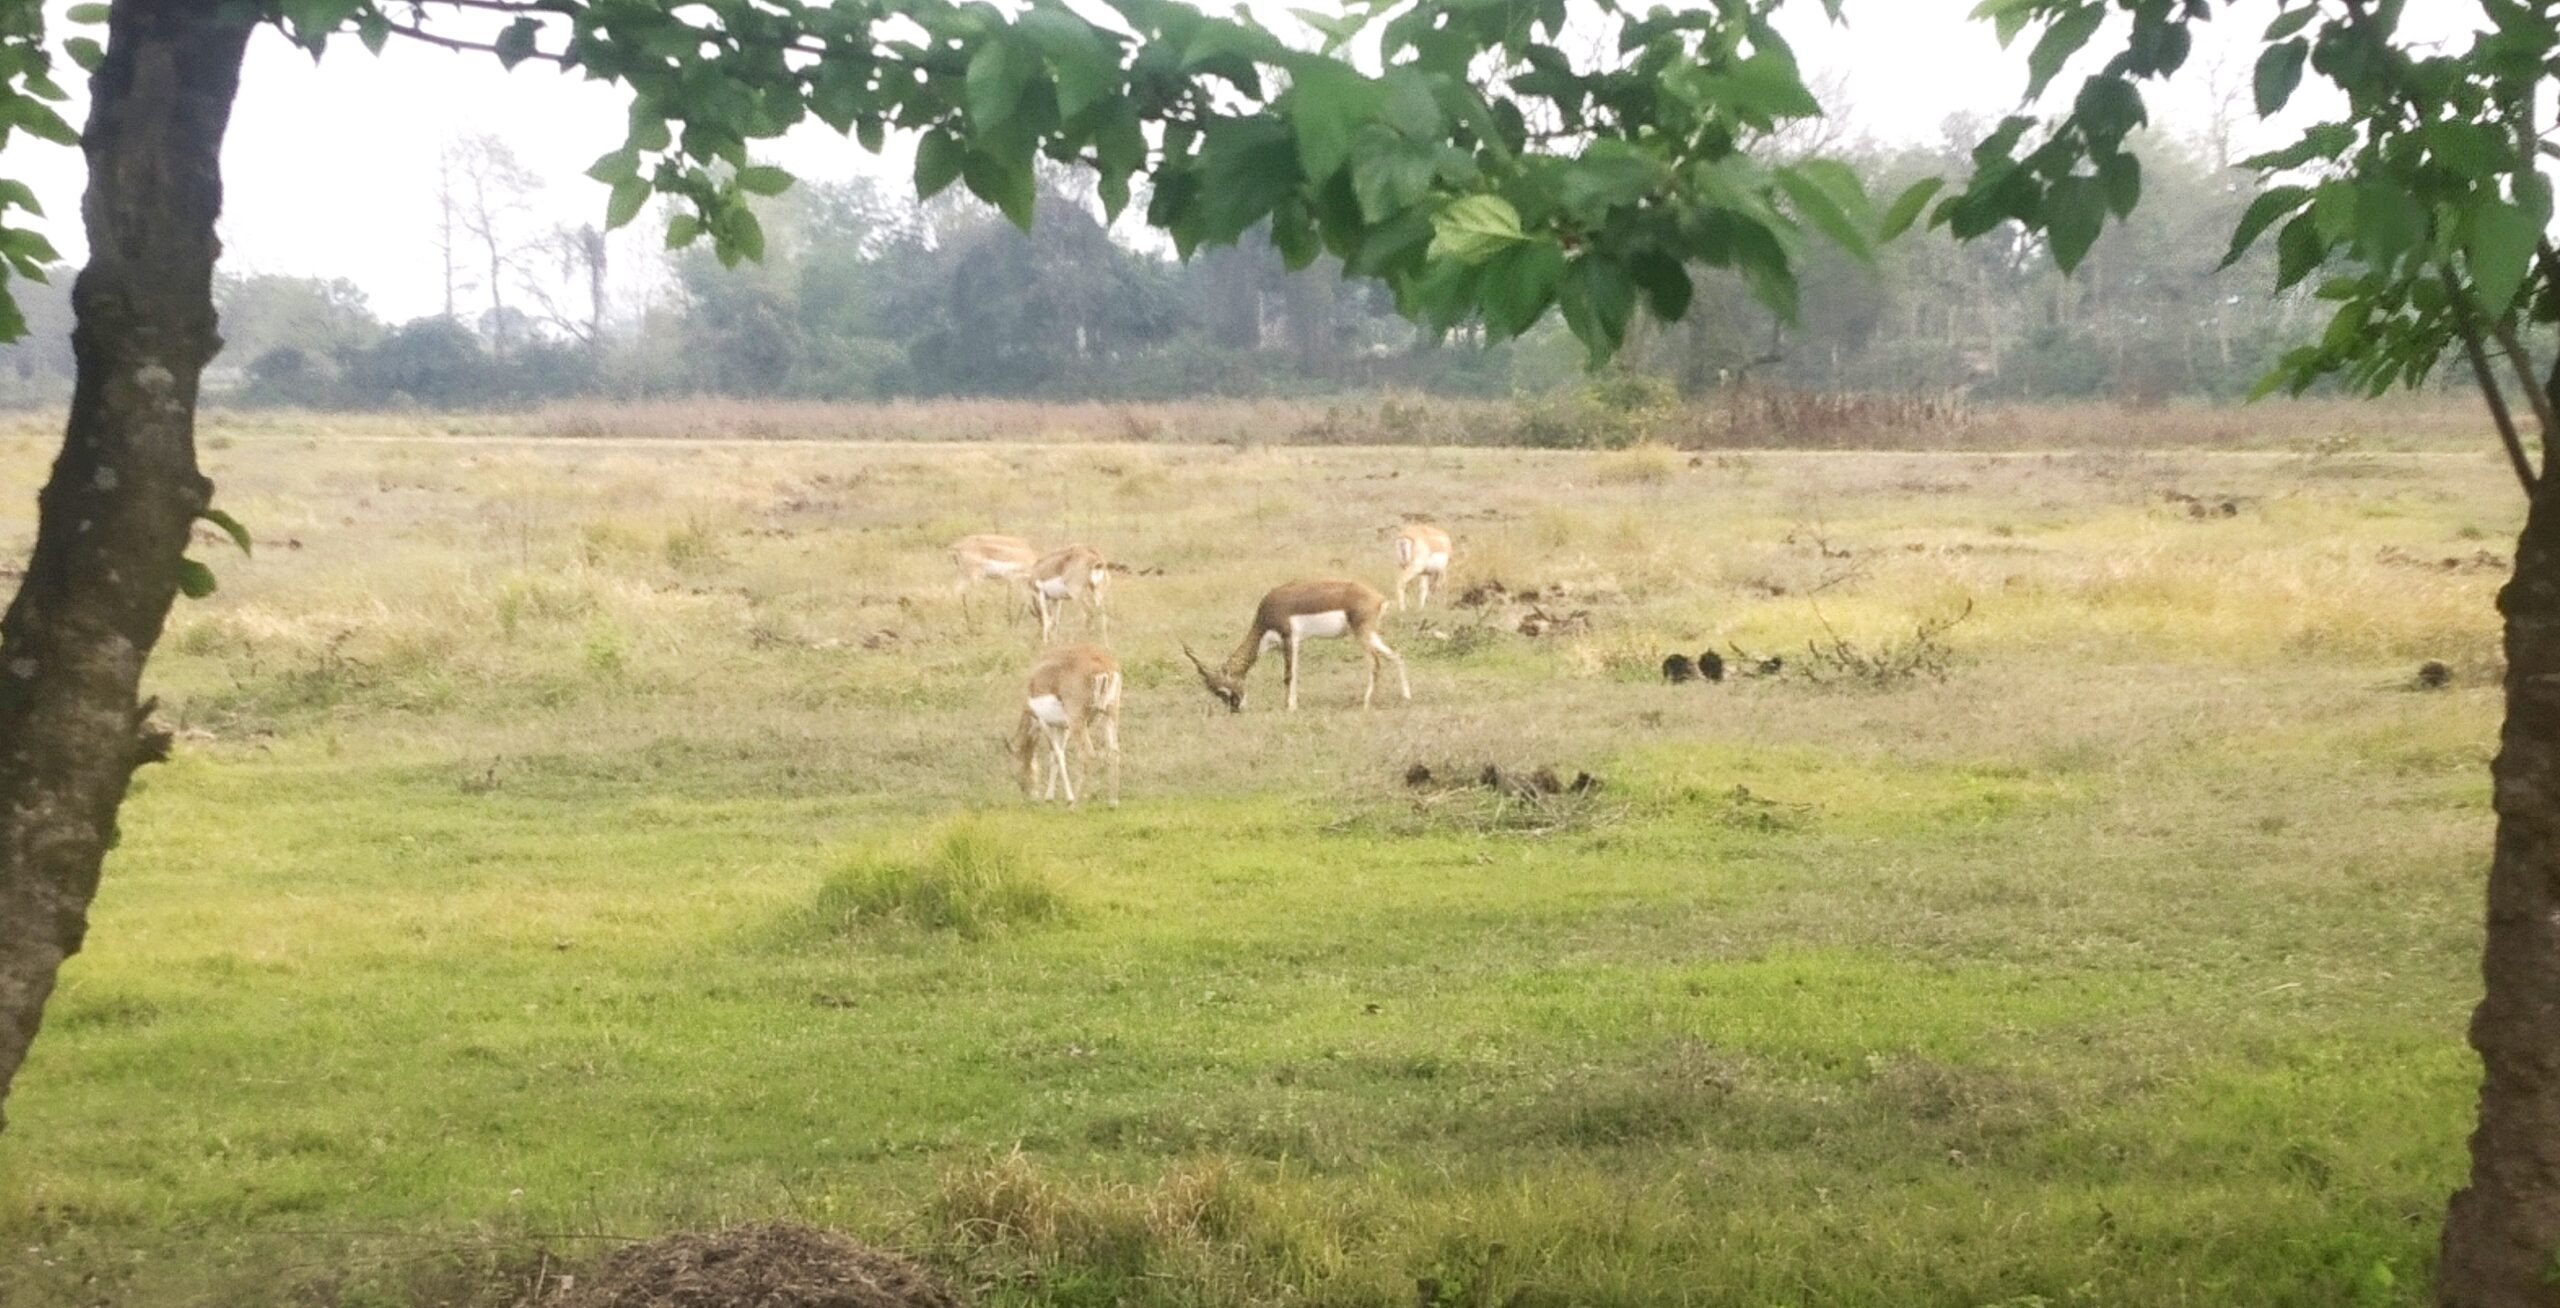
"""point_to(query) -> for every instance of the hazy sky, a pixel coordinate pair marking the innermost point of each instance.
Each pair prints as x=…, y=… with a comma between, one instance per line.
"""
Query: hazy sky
x=331, y=167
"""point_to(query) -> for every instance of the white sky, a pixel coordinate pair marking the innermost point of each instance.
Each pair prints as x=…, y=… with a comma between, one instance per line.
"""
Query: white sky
x=330, y=168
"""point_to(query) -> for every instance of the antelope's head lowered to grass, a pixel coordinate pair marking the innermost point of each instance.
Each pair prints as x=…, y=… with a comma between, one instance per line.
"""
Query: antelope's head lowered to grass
x=1229, y=691
x=1294, y=613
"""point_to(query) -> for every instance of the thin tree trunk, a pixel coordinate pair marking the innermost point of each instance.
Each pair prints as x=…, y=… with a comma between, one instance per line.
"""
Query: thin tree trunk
x=2502, y=1231
x=115, y=517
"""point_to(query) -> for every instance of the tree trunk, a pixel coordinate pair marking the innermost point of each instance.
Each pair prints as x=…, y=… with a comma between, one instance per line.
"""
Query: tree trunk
x=2501, y=1232
x=114, y=520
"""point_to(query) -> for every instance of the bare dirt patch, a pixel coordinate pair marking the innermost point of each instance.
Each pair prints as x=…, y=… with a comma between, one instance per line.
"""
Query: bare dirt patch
x=775, y=1265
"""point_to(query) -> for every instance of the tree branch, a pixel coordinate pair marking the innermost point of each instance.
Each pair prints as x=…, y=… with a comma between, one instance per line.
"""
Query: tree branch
x=2468, y=327
x=467, y=47
x=2519, y=358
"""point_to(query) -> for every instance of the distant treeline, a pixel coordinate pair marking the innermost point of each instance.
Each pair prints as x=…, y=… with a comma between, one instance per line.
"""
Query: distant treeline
x=865, y=294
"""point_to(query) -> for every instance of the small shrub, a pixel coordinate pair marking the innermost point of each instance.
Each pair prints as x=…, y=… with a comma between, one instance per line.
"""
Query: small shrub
x=1613, y=411
x=1924, y=654
x=969, y=882
x=1646, y=464
x=692, y=546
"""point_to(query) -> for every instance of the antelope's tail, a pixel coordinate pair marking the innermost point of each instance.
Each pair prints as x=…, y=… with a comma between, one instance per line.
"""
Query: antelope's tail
x=1404, y=551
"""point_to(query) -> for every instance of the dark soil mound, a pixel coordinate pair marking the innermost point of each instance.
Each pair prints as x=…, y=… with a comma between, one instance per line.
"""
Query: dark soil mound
x=771, y=1266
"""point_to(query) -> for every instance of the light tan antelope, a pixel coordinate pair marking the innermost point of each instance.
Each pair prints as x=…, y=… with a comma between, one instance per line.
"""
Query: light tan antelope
x=1294, y=613
x=990, y=557
x=1076, y=575
x=1422, y=553
x=1072, y=690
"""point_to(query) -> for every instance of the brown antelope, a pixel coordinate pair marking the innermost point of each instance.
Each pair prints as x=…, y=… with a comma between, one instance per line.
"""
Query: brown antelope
x=1422, y=552
x=989, y=557
x=1076, y=574
x=1072, y=689
x=1294, y=613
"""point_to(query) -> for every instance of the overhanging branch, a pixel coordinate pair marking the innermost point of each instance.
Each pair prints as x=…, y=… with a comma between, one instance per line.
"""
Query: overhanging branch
x=2468, y=327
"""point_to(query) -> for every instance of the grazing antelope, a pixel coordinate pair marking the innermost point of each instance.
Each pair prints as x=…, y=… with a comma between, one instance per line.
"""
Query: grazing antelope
x=1076, y=574
x=1293, y=613
x=1422, y=552
x=1071, y=689
x=989, y=557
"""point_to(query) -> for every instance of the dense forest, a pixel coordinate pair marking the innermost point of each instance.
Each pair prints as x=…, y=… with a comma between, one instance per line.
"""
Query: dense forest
x=865, y=294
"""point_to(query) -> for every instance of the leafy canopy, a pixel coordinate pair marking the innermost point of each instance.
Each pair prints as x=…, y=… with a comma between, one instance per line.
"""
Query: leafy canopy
x=1490, y=173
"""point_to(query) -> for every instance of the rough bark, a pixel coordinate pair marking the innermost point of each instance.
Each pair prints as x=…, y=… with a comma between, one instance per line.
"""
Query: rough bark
x=115, y=517
x=2502, y=1231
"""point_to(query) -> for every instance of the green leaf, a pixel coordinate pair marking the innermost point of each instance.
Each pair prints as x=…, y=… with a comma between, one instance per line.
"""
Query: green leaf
x=1906, y=207
x=1609, y=173
x=195, y=580
x=997, y=77
x=628, y=196
x=1519, y=285
x=1474, y=228
x=1820, y=207
x=2109, y=108
x=938, y=159
x=515, y=41
x=2061, y=40
x=1388, y=175
x=764, y=179
x=2075, y=211
x=681, y=230
x=2298, y=251
x=618, y=166
x=2500, y=247
x=1665, y=283
x=1006, y=184
x=2287, y=24
x=1767, y=86
x=230, y=527
x=2121, y=174
x=89, y=13
x=2279, y=72
x=1326, y=107
x=2273, y=203
x=1597, y=298
x=85, y=51
x=40, y=122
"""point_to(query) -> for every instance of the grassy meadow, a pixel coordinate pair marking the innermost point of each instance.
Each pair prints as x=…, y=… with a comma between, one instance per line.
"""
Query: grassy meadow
x=576, y=839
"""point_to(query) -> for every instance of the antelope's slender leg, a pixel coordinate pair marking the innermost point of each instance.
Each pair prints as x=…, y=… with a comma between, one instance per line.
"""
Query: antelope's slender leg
x=1377, y=647
x=1058, y=754
x=1289, y=668
x=1111, y=749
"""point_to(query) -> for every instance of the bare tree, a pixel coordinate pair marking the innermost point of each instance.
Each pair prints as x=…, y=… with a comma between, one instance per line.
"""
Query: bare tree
x=488, y=194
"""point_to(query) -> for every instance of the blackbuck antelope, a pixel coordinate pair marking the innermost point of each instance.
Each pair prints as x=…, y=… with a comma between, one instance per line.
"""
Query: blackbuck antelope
x=1077, y=574
x=1072, y=689
x=989, y=557
x=1293, y=613
x=1422, y=553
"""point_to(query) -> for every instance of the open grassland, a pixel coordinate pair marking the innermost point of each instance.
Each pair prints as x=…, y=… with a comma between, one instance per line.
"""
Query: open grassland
x=573, y=840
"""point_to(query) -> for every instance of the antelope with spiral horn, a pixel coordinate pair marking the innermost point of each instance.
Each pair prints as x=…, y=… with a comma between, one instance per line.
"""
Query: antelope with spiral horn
x=1292, y=614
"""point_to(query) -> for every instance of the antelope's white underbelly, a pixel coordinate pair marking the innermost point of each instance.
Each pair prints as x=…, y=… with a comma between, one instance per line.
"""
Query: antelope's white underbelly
x=1306, y=626
x=1047, y=709
x=1436, y=561
x=999, y=568
x=1054, y=587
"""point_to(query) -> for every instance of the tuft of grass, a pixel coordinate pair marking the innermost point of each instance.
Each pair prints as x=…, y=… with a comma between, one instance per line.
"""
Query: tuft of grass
x=1649, y=463
x=970, y=881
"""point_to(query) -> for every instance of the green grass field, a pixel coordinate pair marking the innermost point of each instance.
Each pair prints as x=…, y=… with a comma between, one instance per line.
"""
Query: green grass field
x=576, y=840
